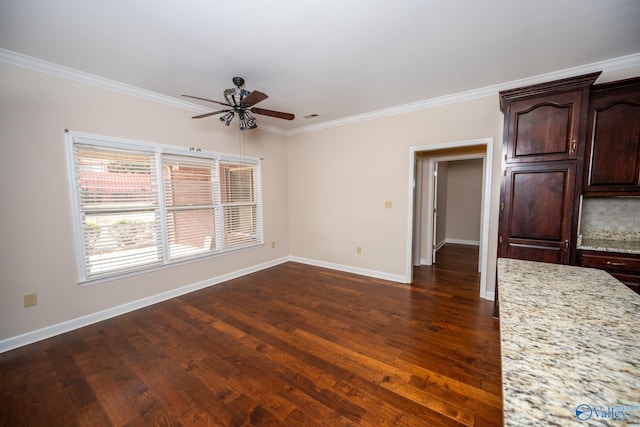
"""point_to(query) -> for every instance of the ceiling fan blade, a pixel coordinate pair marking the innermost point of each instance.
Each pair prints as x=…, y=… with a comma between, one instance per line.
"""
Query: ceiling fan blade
x=205, y=99
x=271, y=113
x=253, y=98
x=202, y=116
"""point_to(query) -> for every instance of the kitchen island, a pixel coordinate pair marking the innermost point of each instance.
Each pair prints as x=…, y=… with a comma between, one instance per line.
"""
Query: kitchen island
x=570, y=343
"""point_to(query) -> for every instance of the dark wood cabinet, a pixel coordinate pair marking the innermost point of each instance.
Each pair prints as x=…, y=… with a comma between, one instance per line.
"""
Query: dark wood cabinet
x=547, y=121
x=544, y=129
x=563, y=139
x=613, y=143
x=543, y=148
x=537, y=212
x=623, y=266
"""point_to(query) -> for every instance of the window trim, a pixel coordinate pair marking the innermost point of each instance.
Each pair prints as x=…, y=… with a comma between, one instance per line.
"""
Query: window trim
x=84, y=277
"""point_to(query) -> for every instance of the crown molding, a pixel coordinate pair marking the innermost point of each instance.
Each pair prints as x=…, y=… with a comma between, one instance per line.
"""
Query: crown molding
x=604, y=66
x=50, y=68
x=56, y=70
x=61, y=71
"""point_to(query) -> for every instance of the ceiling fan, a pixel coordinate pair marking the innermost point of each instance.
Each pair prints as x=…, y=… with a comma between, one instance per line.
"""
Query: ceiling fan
x=241, y=102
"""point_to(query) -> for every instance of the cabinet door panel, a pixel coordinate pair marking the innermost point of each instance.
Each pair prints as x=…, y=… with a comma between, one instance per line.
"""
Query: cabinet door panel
x=538, y=211
x=537, y=204
x=544, y=129
x=614, y=145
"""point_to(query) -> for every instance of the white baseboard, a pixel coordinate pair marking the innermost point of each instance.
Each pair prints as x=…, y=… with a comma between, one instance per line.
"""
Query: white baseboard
x=351, y=269
x=425, y=261
x=79, y=322
x=463, y=242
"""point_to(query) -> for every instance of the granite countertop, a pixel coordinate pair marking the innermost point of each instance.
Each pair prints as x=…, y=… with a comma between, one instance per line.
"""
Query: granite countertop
x=570, y=336
x=607, y=241
x=603, y=245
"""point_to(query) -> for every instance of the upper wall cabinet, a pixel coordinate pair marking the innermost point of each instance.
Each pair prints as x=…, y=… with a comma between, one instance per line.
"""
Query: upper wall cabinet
x=546, y=129
x=543, y=122
x=544, y=134
x=613, y=140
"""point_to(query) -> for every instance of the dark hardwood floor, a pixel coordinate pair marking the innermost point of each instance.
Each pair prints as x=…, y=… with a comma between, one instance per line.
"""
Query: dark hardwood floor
x=293, y=345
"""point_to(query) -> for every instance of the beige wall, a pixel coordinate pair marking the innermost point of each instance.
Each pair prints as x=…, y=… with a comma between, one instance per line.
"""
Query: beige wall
x=37, y=246
x=464, y=200
x=339, y=179
x=324, y=192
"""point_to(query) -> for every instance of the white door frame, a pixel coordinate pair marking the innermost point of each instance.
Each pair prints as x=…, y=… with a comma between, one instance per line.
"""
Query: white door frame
x=432, y=221
x=487, y=157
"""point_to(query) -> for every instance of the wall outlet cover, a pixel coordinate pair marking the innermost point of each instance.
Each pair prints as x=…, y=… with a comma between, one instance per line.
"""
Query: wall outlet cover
x=30, y=300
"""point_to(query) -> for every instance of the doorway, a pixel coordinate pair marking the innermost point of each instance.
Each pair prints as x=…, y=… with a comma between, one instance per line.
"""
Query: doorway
x=453, y=215
x=424, y=237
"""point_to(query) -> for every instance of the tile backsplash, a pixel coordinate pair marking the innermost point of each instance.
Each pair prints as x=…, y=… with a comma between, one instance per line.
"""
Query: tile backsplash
x=616, y=215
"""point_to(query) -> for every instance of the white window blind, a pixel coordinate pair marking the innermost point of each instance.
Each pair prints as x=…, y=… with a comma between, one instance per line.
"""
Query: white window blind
x=242, y=213
x=118, y=205
x=140, y=206
x=192, y=205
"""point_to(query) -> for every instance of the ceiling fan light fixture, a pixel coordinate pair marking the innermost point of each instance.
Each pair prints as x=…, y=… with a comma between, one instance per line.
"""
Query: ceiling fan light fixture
x=235, y=95
x=247, y=121
x=241, y=101
x=227, y=118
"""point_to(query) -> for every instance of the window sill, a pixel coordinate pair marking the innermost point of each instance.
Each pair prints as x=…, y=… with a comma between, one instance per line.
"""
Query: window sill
x=157, y=267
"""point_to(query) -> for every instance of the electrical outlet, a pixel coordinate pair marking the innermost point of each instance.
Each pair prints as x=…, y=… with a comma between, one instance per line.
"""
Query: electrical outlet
x=30, y=300
x=358, y=250
x=273, y=243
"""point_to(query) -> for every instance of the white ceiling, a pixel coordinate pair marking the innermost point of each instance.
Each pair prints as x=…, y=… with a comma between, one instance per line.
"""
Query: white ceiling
x=335, y=58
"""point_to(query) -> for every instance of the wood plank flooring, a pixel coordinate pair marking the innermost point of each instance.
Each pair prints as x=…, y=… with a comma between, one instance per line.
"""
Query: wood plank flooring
x=293, y=345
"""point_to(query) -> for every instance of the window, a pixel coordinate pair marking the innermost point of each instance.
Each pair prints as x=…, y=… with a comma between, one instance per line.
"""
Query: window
x=139, y=206
x=190, y=198
x=239, y=203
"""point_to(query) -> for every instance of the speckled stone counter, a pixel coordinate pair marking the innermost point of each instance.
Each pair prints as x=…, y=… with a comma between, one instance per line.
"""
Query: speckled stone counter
x=570, y=336
x=610, y=241
x=603, y=245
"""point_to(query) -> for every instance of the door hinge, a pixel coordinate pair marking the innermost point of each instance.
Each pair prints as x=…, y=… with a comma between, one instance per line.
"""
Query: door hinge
x=502, y=206
x=505, y=157
x=508, y=109
x=504, y=172
x=500, y=239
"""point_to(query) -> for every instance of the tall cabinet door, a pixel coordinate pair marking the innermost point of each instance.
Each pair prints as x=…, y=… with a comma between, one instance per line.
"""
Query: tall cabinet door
x=544, y=129
x=537, y=212
x=613, y=144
